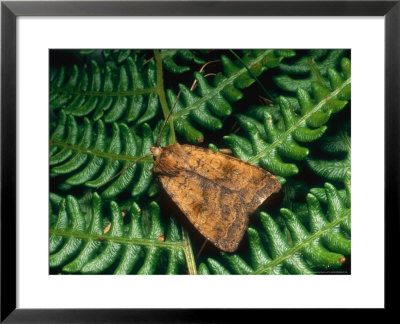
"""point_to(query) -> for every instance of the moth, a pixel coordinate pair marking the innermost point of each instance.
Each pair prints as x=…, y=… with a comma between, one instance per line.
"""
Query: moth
x=216, y=192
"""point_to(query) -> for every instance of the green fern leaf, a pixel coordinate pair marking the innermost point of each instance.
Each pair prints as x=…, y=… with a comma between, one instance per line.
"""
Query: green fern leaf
x=169, y=58
x=128, y=247
x=124, y=92
x=98, y=158
x=333, y=169
x=270, y=142
x=314, y=68
x=212, y=103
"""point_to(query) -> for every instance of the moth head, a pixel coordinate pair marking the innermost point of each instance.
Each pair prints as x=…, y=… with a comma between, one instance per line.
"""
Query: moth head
x=156, y=151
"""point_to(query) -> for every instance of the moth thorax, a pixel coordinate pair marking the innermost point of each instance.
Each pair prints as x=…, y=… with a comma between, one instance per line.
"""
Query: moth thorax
x=156, y=151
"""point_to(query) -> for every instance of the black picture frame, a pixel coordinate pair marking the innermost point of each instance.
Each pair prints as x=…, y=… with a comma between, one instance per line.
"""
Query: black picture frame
x=10, y=10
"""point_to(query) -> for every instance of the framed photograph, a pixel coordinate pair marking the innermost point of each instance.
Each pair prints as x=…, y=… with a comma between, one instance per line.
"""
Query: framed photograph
x=156, y=151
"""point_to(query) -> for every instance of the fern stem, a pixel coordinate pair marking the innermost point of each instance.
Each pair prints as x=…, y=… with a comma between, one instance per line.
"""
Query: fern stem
x=110, y=156
x=121, y=240
x=315, y=70
x=105, y=94
x=161, y=94
x=220, y=86
x=302, y=119
x=187, y=248
x=253, y=76
x=164, y=54
x=300, y=246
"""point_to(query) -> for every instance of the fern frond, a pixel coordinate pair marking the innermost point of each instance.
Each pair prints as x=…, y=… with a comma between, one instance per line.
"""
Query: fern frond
x=132, y=92
x=333, y=169
x=69, y=213
x=111, y=93
x=209, y=105
x=315, y=67
x=128, y=247
x=169, y=58
x=98, y=157
x=269, y=142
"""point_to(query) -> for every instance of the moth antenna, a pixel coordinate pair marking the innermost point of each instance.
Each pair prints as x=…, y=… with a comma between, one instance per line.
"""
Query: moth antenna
x=208, y=63
x=124, y=169
x=168, y=117
x=201, y=249
x=266, y=101
x=201, y=70
x=195, y=81
x=147, y=61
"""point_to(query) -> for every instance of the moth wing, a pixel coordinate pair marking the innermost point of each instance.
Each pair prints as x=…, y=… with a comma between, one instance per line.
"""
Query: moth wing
x=215, y=211
x=254, y=184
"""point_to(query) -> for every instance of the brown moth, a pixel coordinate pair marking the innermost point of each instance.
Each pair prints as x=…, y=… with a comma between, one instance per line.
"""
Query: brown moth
x=216, y=192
